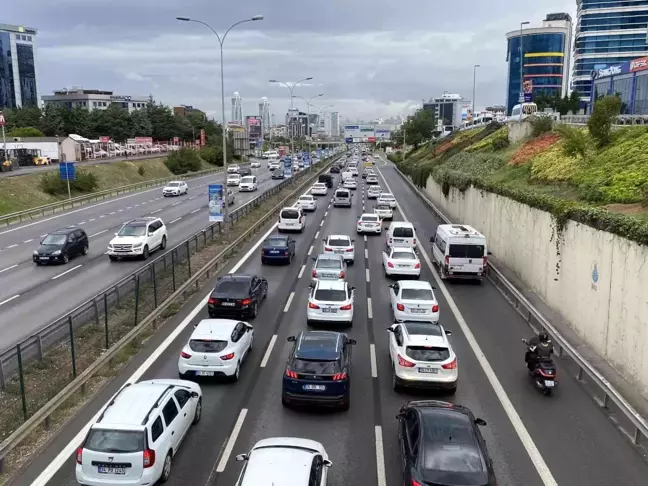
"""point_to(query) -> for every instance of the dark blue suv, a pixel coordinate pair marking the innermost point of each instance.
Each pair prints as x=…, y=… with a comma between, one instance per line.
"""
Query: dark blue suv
x=318, y=371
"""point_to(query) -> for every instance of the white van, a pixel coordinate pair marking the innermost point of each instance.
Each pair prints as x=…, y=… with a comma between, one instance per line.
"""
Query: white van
x=292, y=219
x=400, y=233
x=347, y=174
x=248, y=183
x=342, y=198
x=460, y=252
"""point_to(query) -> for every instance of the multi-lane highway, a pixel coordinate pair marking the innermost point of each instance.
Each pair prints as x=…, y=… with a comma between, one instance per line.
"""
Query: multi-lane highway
x=33, y=296
x=534, y=440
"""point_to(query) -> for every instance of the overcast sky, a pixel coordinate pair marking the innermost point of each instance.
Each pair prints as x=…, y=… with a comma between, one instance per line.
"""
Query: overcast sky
x=370, y=59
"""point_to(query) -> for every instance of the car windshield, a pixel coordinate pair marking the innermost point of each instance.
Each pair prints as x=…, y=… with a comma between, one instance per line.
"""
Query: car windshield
x=289, y=214
x=401, y=232
x=277, y=241
x=117, y=441
x=139, y=230
x=54, y=239
x=417, y=294
x=305, y=198
x=232, y=287
x=333, y=295
x=403, y=255
x=466, y=251
x=342, y=194
x=173, y=184
x=328, y=263
x=316, y=367
x=427, y=353
x=339, y=242
x=386, y=196
x=207, y=345
x=247, y=180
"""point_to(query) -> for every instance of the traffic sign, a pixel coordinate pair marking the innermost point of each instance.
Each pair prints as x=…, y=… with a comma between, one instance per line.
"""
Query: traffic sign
x=3, y=120
x=67, y=171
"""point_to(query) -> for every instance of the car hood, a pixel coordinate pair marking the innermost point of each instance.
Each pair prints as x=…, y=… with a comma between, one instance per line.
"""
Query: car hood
x=46, y=249
x=127, y=240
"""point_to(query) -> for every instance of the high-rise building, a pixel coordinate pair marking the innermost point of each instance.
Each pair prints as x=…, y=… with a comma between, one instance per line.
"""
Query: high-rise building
x=335, y=124
x=184, y=110
x=545, y=61
x=264, y=114
x=17, y=67
x=608, y=32
x=237, y=108
x=297, y=123
x=452, y=109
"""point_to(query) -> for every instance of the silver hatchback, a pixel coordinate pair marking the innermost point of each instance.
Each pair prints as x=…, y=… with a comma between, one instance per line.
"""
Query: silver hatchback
x=329, y=267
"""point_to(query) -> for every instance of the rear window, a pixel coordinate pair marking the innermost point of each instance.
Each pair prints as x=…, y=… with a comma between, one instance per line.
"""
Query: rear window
x=115, y=441
x=387, y=196
x=315, y=366
x=370, y=219
x=329, y=263
x=305, y=198
x=417, y=294
x=289, y=214
x=403, y=255
x=331, y=295
x=344, y=194
x=382, y=206
x=276, y=242
x=400, y=232
x=339, y=242
x=232, y=287
x=207, y=345
x=466, y=251
x=450, y=445
x=424, y=353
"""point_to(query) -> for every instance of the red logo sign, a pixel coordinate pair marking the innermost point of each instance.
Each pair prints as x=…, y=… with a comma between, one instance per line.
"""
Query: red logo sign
x=3, y=120
x=176, y=140
x=202, y=137
x=104, y=139
x=640, y=64
x=371, y=139
x=143, y=140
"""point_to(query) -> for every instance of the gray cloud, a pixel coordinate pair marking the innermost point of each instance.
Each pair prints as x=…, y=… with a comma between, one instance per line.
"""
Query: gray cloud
x=369, y=58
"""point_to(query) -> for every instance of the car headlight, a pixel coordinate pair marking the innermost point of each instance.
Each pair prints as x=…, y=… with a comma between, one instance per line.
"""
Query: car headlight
x=57, y=252
x=35, y=252
x=110, y=247
x=137, y=245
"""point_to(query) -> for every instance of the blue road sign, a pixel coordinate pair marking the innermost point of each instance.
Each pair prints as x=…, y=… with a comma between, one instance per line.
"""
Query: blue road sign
x=319, y=153
x=67, y=171
x=215, y=202
x=288, y=167
x=307, y=160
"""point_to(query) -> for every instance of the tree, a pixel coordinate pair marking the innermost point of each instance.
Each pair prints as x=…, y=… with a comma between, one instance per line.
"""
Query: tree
x=600, y=122
x=26, y=132
x=574, y=102
x=418, y=129
x=163, y=121
x=113, y=122
x=140, y=125
x=24, y=117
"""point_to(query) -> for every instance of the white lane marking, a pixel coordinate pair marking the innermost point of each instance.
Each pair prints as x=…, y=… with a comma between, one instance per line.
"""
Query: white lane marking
x=372, y=359
x=527, y=441
x=114, y=212
x=321, y=223
x=316, y=235
x=326, y=214
x=175, y=220
x=66, y=272
x=290, y=298
x=175, y=204
x=156, y=211
x=102, y=216
x=363, y=208
x=8, y=268
x=301, y=272
x=231, y=441
x=12, y=246
x=310, y=250
x=266, y=356
x=98, y=233
x=9, y=299
x=43, y=236
x=366, y=254
x=365, y=237
x=367, y=275
x=91, y=220
x=369, y=309
x=380, y=457
x=28, y=241
x=195, y=211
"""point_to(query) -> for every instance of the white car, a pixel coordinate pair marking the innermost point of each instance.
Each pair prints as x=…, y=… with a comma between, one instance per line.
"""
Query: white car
x=274, y=164
x=248, y=184
x=372, y=179
x=340, y=245
x=284, y=460
x=175, y=188
x=373, y=192
x=255, y=164
x=384, y=211
x=291, y=219
x=216, y=348
x=138, y=238
x=422, y=357
x=233, y=169
x=328, y=267
x=401, y=260
x=413, y=300
x=233, y=180
x=319, y=189
x=330, y=301
x=354, y=169
x=138, y=433
x=387, y=198
x=307, y=202
x=350, y=184
x=369, y=223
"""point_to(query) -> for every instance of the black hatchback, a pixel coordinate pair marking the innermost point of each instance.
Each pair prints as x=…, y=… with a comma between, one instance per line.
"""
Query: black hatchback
x=237, y=296
x=441, y=443
x=61, y=245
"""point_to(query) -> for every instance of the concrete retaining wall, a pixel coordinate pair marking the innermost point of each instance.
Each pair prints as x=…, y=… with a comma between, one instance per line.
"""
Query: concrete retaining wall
x=597, y=281
x=518, y=130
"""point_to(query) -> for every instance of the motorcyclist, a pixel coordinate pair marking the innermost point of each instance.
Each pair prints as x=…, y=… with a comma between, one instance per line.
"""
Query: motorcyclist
x=538, y=347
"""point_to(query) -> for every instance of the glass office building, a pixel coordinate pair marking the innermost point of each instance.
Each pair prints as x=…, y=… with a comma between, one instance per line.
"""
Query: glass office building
x=609, y=32
x=545, y=55
x=629, y=80
x=17, y=67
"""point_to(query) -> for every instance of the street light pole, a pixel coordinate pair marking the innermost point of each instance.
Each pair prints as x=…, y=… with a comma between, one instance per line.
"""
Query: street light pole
x=474, y=88
x=521, y=99
x=290, y=89
x=221, y=40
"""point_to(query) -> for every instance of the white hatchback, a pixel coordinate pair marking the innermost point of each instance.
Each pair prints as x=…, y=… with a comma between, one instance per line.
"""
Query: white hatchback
x=340, y=245
x=233, y=169
x=307, y=202
x=373, y=192
x=369, y=223
x=330, y=301
x=387, y=198
x=216, y=348
x=401, y=261
x=292, y=219
x=248, y=183
x=384, y=211
x=413, y=300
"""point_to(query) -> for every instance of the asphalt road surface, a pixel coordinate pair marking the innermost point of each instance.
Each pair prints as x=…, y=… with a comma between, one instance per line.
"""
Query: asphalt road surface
x=534, y=440
x=33, y=296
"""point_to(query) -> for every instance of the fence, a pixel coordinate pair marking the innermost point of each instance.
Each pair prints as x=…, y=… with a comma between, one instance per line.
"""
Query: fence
x=637, y=426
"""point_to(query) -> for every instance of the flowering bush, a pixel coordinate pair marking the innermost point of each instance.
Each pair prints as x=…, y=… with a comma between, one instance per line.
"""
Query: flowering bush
x=534, y=147
x=495, y=141
x=554, y=166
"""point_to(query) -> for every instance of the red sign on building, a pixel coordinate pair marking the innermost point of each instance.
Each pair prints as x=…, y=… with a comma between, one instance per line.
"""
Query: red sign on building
x=3, y=120
x=176, y=140
x=144, y=140
x=104, y=139
x=371, y=139
x=640, y=64
x=202, y=137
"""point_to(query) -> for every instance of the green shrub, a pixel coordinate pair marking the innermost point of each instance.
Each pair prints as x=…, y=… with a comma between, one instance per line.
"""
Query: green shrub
x=141, y=171
x=52, y=183
x=395, y=157
x=212, y=155
x=183, y=161
x=498, y=140
x=554, y=165
x=575, y=141
x=540, y=125
x=600, y=122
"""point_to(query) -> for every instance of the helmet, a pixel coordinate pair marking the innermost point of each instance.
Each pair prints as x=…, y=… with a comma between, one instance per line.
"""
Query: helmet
x=543, y=336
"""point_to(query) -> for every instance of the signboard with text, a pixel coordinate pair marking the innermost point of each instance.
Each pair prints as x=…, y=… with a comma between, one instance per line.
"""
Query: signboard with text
x=307, y=161
x=528, y=91
x=287, y=167
x=176, y=140
x=348, y=139
x=319, y=153
x=202, y=137
x=371, y=139
x=3, y=120
x=215, y=202
x=67, y=171
x=640, y=64
x=144, y=140
x=104, y=139
x=254, y=127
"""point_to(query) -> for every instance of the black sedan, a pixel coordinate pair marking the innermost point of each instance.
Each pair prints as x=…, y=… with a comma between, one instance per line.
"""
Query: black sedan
x=245, y=171
x=237, y=296
x=278, y=248
x=441, y=444
x=61, y=245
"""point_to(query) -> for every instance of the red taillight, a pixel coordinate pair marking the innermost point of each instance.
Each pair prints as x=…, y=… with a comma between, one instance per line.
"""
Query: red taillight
x=149, y=458
x=300, y=220
x=349, y=249
x=185, y=355
x=418, y=265
x=435, y=308
x=390, y=264
x=286, y=253
x=415, y=483
x=452, y=365
x=227, y=357
x=246, y=301
x=328, y=248
x=313, y=306
x=346, y=307
x=79, y=457
x=291, y=374
x=447, y=260
x=213, y=301
x=342, y=274
x=314, y=273
x=400, y=307
x=414, y=241
x=405, y=363
x=339, y=376
x=485, y=262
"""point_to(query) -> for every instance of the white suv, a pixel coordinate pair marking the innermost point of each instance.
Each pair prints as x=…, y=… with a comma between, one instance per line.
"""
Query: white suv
x=138, y=238
x=136, y=436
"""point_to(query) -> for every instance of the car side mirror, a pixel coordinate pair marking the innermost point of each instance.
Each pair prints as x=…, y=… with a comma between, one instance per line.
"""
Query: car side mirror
x=324, y=240
x=386, y=228
x=433, y=287
x=448, y=333
x=313, y=258
x=525, y=341
x=194, y=394
x=353, y=288
x=400, y=416
x=291, y=339
x=352, y=342
x=352, y=241
x=327, y=463
x=248, y=326
x=489, y=253
x=311, y=285
x=242, y=457
x=431, y=239
x=480, y=422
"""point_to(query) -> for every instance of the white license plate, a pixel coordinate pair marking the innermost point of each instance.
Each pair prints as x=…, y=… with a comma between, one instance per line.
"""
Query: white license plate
x=397, y=240
x=204, y=373
x=339, y=251
x=432, y=371
x=111, y=470
x=418, y=311
x=229, y=304
x=550, y=383
x=291, y=224
x=43, y=258
x=315, y=387
x=329, y=310
x=274, y=252
x=404, y=266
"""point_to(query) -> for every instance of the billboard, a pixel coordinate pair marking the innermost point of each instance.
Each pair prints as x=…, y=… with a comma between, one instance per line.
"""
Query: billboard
x=254, y=127
x=202, y=137
x=640, y=64
x=383, y=134
x=287, y=167
x=614, y=70
x=527, y=87
x=215, y=202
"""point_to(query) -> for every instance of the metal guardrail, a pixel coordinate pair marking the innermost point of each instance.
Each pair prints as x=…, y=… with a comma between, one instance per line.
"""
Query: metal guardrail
x=536, y=320
x=39, y=211
x=41, y=417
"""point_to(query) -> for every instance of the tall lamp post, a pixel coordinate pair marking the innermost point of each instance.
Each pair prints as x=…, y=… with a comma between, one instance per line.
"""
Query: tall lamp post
x=474, y=88
x=521, y=99
x=291, y=88
x=221, y=40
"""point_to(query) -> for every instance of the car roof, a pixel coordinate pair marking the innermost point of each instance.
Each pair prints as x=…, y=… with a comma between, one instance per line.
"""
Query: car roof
x=373, y=215
x=64, y=231
x=325, y=345
x=214, y=329
x=414, y=284
x=331, y=284
x=281, y=460
x=402, y=224
x=329, y=256
x=236, y=277
x=403, y=249
x=306, y=195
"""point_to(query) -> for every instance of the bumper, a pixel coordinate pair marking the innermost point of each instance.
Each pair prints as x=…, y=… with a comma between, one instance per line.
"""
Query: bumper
x=246, y=188
x=432, y=382
x=313, y=399
x=410, y=272
x=147, y=478
x=309, y=207
x=232, y=184
x=285, y=227
x=275, y=258
x=364, y=229
x=132, y=253
x=169, y=193
x=185, y=368
x=400, y=316
x=312, y=315
x=225, y=312
x=47, y=259
x=337, y=204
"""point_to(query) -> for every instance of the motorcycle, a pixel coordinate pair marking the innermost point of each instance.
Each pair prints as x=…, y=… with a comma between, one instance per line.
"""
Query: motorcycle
x=544, y=374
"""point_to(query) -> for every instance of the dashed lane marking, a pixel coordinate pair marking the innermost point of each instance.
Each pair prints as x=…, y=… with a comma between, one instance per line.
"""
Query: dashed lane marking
x=367, y=278
x=8, y=268
x=9, y=299
x=369, y=309
x=231, y=441
x=301, y=271
x=374, y=363
x=66, y=272
x=98, y=233
x=310, y=250
x=266, y=356
x=290, y=298
x=175, y=220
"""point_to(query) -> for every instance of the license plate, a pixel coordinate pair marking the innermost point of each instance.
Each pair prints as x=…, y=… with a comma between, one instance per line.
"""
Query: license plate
x=339, y=251
x=549, y=383
x=229, y=304
x=291, y=224
x=418, y=311
x=329, y=310
x=274, y=252
x=204, y=373
x=329, y=275
x=315, y=387
x=432, y=371
x=43, y=258
x=403, y=266
x=111, y=470
x=396, y=240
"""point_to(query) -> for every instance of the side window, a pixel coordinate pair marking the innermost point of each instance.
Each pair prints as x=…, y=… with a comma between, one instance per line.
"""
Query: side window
x=316, y=471
x=237, y=332
x=170, y=412
x=182, y=396
x=413, y=431
x=156, y=429
x=396, y=288
x=78, y=234
x=151, y=228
